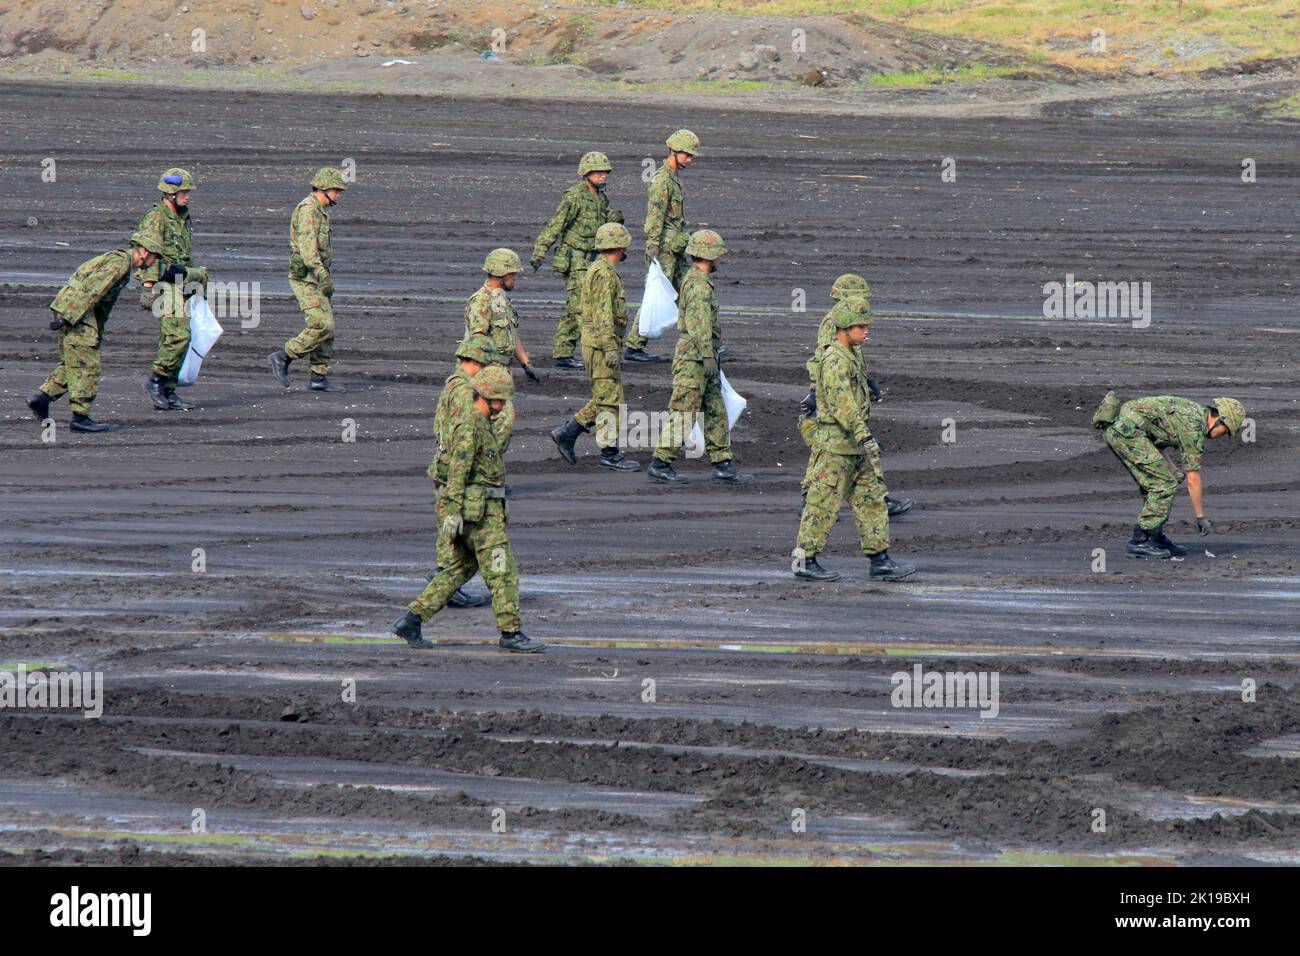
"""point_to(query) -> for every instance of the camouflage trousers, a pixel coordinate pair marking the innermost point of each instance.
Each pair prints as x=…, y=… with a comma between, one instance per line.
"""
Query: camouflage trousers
x=1148, y=467
x=77, y=374
x=482, y=546
x=675, y=267
x=807, y=428
x=695, y=394
x=317, y=339
x=569, y=330
x=604, y=371
x=173, y=335
x=835, y=478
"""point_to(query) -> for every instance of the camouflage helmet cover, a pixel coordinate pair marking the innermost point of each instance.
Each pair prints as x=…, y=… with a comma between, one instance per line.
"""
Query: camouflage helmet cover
x=1231, y=413
x=327, y=177
x=612, y=235
x=684, y=141
x=594, y=162
x=179, y=179
x=494, y=382
x=147, y=240
x=705, y=244
x=850, y=284
x=851, y=311
x=500, y=262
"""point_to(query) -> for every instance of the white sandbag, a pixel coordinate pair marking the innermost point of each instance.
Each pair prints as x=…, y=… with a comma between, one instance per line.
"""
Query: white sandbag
x=658, y=303
x=734, y=405
x=204, y=332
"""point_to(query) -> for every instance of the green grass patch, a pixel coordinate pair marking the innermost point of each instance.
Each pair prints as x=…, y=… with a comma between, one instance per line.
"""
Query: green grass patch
x=1288, y=108
x=130, y=76
x=911, y=79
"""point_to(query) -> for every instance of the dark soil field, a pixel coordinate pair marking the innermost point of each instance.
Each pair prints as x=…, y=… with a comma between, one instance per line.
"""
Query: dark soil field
x=697, y=703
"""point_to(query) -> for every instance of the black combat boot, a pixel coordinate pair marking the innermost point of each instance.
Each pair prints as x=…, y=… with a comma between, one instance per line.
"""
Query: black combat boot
x=407, y=627
x=885, y=568
x=39, y=403
x=175, y=402
x=810, y=569
x=1161, y=540
x=726, y=472
x=460, y=597
x=156, y=388
x=1142, y=545
x=280, y=366
x=566, y=437
x=322, y=383
x=519, y=641
x=640, y=355
x=84, y=423
x=613, y=458
x=900, y=507
x=664, y=471
x=568, y=361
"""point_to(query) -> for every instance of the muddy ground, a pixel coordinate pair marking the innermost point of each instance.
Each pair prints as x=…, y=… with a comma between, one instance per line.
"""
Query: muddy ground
x=1120, y=690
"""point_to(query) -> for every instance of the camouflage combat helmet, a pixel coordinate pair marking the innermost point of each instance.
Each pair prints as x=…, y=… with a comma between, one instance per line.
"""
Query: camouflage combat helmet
x=1231, y=413
x=594, y=162
x=174, y=180
x=612, y=235
x=148, y=241
x=851, y=311
x=500, y=262
x=705, y=244
x=327, y=177
x=494, y=382
x=684, y=141
x=473, y=351
x=850, y=284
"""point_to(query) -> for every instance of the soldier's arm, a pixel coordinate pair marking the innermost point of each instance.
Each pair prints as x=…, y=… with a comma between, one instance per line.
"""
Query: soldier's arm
x=464, y=446
x=655, y=209
x=478, y=315
x=602, y=296
x=1194, y=490
x=559, y=222
x=840, y=401
x=308, y=247
x=697, y=317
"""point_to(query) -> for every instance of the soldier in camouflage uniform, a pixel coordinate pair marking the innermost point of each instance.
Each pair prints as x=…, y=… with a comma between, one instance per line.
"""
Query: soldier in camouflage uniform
x=472, y=522
x=167, y=283
x=1142, y=427
x=583, y=209
x=81, y=310
x=492, y=327
x=846, y=285
x=604, y=319
x=666, y=234
x=697, y=391
x=846, y=459
x=310, y=278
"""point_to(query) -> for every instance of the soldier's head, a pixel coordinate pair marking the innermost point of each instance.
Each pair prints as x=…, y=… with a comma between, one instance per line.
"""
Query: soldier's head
x=705, y=249
x=175, y=185
x=850, y=284
x=329, y=184
x=1224, y=417
x=683, y=147
x=595, y=168
x=612, y=239
x=145, y=249
x=502, y=267
x=852, y=317
x=493, y=387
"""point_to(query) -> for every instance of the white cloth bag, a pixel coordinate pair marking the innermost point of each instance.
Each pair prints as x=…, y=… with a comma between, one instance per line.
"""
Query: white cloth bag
x=658, y=303
x=734, y=405
x=204, y=332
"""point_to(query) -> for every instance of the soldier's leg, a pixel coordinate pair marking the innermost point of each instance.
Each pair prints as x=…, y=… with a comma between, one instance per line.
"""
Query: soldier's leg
x=56, y=383
x=80, y=351
x=1149, y=469
x=683, y=408
x=806, y=428
x=319, y=330
x=586, y=416
x=173, y=335
x=503, y=426
x=496, y=562
x=324, y=350
x=608, y=395
x=569, y=328
x=717, y=437
x=830, y=477
x=456, y=565
x=867, y=500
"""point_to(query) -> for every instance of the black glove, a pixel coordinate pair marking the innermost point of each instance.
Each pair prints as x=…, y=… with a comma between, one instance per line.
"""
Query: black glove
x=173, y=273
x=532, y=373
x=57, y=324
x=1204, y=526
x=809, y=404
x=535, y=262
x=874, y=389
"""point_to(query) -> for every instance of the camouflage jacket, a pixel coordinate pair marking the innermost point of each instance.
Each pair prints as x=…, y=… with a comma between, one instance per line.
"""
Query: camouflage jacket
x=310, y=253
x=697, y=318
x=604, y=307
x=843, y=406
x=665, y=214
x=174, y=230
x=475, y=468
x=455, y=403
x=94, y=287
x=492, y=324
x=1170, y=422
x=574, y=224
